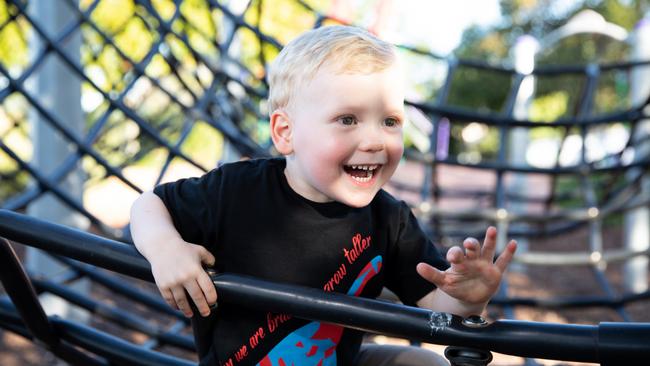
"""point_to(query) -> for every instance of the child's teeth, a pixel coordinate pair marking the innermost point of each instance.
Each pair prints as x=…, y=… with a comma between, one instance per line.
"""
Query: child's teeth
x=367, y=178
x=363, y=167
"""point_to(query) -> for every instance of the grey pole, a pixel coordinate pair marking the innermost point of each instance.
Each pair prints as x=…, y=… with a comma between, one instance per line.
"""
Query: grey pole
x=523, y=54
x=59, y=91
x=637, y=222
x=233, y=49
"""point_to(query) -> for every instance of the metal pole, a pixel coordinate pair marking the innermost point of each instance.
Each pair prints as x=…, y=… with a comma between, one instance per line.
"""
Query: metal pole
x=59, y=90
x=233, y=48
x=523, y=52
x=637, y=222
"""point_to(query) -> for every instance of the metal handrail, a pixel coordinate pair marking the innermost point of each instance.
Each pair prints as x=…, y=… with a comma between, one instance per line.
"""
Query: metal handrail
x=606, y=343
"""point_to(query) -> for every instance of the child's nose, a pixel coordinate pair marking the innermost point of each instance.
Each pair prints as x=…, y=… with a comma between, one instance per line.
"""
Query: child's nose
x=372, y=140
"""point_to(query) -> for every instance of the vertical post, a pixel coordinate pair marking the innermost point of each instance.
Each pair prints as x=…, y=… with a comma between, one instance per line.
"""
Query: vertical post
x=59, y=91
x=637, y=221
x=524, y=52
x=232, y=46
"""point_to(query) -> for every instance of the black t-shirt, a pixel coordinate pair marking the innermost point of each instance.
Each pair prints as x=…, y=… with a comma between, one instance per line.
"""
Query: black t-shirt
x=254, y=224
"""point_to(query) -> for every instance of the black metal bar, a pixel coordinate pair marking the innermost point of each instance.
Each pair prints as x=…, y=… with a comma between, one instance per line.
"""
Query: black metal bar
x=66, y=131
x=66, y=59
x=242, y=141
x=72, y=243
x=115, y=315
x=498, y=119
x=9, y=318
x=430, y=183
x=526, y=339
x=117, y=350
x=45, y=182
x=585, y=343
x=610, y=293
x=23, y=295
x=617, y=345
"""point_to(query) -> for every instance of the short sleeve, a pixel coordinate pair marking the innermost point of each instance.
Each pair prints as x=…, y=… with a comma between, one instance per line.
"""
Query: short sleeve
x=412, y=247
x=192, y=205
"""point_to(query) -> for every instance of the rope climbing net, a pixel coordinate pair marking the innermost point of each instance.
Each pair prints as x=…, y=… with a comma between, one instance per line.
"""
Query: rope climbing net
x=188, y=94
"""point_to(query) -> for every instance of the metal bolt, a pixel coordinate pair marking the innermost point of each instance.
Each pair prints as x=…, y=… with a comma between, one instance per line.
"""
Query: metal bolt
x=475, y=321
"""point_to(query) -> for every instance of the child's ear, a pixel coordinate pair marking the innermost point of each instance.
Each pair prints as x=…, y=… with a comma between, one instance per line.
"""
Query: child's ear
x=281, y=129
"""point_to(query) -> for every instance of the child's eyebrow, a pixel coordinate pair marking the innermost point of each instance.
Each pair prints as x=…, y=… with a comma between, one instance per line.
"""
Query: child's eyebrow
x=361, y=107
x=396, y=113
x=351, y=108
x=361, y=110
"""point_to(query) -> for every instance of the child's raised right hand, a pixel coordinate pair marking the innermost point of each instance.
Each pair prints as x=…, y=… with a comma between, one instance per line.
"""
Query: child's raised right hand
x=177, y=268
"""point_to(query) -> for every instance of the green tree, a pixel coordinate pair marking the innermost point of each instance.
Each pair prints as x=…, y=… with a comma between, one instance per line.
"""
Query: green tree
x=539, y=18
x=558, y=96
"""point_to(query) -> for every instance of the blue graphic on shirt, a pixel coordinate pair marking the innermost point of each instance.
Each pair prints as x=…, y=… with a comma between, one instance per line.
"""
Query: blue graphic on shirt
x=315, y=343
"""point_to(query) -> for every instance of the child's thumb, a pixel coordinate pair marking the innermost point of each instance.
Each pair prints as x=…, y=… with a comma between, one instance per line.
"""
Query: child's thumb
x=430, y=274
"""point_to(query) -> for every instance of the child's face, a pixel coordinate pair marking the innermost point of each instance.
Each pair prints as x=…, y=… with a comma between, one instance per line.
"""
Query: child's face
x=346, y=135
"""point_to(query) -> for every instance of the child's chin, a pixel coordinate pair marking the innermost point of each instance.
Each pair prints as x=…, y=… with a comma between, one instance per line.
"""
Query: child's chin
x=358, y=202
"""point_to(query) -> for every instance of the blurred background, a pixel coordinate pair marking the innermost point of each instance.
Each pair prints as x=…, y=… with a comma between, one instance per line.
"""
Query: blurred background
x=529, y=115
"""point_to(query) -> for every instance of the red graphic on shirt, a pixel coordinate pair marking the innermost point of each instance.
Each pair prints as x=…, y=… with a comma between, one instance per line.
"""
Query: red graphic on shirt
x=323, y=337
x=315, y=343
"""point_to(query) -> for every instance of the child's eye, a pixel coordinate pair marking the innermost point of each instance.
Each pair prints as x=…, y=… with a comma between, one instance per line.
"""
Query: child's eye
x=348, y=120
x=391, y=122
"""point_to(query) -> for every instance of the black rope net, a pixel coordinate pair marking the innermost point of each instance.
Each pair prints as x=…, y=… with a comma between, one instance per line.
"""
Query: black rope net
x=179, y=86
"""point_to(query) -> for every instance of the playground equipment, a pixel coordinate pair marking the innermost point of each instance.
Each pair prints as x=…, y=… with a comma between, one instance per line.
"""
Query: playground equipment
x=607, y=343
x=209, y=90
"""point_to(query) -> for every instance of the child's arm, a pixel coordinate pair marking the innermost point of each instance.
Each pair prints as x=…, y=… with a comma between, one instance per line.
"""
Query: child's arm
x=175, y=263
x=472, y=279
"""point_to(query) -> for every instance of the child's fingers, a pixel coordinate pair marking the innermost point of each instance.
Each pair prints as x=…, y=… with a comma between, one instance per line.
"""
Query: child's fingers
x=489, y=244
x=181, y=301
x=207, y=287
x=504, y=259
x=455, y=255
x=431, y=274
x=472, y=248
x=169, y=298
x=196, y=293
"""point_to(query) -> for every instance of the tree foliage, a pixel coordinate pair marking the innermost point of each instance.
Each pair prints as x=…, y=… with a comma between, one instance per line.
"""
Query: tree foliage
x=555, y=96
x=13, y=38
x=179, y=46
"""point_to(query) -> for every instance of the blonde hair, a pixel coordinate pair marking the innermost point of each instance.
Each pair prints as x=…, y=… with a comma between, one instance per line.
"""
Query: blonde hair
x=347, y=49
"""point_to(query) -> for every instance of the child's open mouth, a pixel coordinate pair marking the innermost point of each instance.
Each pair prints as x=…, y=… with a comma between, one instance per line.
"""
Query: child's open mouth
x=361, y=173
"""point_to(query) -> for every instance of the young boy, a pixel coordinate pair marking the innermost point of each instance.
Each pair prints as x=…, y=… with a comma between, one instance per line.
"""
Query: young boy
x=316, y=217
